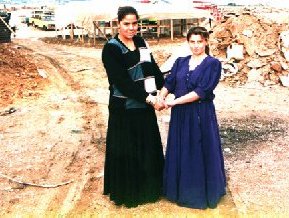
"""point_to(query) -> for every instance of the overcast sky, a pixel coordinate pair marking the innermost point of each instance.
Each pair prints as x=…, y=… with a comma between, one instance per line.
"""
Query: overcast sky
x=277, y=3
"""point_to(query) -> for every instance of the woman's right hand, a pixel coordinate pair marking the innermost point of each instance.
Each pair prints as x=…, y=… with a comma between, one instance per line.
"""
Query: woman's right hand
x=159, y=106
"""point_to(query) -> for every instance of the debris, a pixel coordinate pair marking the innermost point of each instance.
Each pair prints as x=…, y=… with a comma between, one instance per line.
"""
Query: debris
x=253, y=42
x=42, y=73
x=21, y=185
x=84, y=69
x=9, y=111
x=266, y=52
x=77, y=131
x=227, y=150
x=256, y=63
x=229, y=69
x=101, y=174
x=248, y=33
x=254, y=75
x=285, y=80
x=235, y=51
x=276, y=66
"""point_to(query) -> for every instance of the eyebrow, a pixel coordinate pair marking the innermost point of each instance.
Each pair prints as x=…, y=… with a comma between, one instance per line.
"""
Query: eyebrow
x=135, y=22
x=201, y=39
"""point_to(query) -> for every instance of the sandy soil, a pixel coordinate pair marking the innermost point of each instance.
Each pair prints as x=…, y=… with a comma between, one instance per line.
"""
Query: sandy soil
x=52, y=131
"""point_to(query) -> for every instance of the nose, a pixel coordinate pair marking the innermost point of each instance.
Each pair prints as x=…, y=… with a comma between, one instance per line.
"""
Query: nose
x=197, y=45
x=131, y=26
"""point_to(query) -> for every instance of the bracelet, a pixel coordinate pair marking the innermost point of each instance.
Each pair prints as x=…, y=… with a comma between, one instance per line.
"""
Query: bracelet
x=151, y=100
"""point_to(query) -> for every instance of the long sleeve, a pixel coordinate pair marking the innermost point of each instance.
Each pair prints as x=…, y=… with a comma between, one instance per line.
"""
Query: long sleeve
x=117, y=73
x=151, y=68
x=159, y=77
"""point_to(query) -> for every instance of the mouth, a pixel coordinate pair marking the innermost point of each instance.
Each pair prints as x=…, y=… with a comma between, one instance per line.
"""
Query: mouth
x=131, y=33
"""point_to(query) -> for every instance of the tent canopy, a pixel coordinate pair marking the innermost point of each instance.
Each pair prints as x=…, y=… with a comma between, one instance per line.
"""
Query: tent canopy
x=97, y=10
x=166, y=11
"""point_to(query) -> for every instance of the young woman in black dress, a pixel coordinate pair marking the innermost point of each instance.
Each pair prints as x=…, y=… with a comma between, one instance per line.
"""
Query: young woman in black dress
x=134, y=157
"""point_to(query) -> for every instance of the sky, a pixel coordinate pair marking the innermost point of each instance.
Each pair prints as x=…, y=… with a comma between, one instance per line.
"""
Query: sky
x=276, y=3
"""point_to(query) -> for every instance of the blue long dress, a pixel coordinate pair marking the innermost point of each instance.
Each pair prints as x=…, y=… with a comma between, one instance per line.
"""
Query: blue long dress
x=194, y=174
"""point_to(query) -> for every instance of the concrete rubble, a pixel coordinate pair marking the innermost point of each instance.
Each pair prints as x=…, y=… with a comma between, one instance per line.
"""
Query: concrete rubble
x=253, y=47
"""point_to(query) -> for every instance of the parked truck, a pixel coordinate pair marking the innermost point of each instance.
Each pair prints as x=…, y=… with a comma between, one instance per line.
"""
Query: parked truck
x=43, y=19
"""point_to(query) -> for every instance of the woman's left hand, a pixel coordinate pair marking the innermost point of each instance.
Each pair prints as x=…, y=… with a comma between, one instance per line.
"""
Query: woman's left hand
x=170, y=103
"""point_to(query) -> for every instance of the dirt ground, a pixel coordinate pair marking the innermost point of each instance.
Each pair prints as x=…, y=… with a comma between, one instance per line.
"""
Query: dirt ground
x=53, y=114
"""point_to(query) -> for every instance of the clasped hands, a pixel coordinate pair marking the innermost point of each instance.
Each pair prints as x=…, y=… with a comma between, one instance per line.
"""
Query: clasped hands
x=159, y=103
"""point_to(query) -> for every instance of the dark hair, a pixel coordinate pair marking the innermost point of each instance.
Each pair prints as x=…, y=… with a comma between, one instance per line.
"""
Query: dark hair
x=202, y=31
x=125, y=10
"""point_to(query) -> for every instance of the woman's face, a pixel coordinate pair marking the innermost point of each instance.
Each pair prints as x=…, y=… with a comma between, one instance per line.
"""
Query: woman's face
x=197, y=44
x=128, y=26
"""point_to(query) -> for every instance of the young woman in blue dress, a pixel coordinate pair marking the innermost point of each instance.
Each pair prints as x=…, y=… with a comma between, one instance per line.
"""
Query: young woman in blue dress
x=194, y=174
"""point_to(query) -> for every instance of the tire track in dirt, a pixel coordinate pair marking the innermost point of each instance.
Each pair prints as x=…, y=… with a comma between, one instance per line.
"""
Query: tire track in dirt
x=57, y=74
x=78, y=98
x=68, y=200
x=63, y=200
x=91, y=148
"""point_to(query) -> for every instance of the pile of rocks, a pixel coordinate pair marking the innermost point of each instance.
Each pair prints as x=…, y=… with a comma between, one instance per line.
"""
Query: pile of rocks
x=253, y=49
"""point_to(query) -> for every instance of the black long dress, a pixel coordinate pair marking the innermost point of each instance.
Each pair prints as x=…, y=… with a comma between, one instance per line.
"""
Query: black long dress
x=134, y=157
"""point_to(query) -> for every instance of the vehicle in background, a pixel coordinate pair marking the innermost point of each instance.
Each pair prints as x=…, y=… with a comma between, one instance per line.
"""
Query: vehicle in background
x=71, y=30
x=35, y=14
x=43, y=19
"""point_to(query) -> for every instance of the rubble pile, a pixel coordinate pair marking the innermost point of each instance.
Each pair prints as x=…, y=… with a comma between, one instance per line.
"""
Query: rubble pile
x=19, y=77
x=253, y=50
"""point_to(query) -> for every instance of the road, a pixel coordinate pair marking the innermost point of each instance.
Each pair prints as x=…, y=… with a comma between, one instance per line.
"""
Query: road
x=59, y=138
